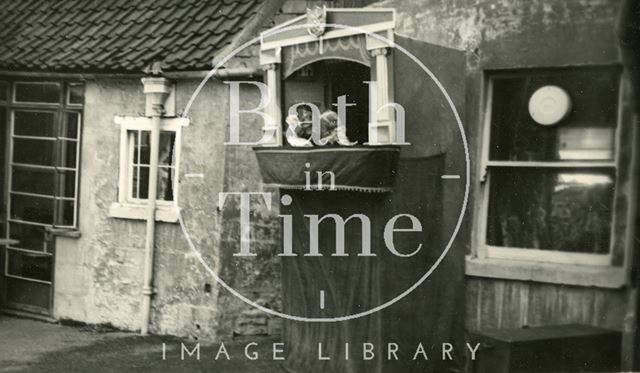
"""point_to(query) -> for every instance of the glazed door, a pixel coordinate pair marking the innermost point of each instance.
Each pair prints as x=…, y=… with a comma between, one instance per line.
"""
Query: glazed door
x=41, y=183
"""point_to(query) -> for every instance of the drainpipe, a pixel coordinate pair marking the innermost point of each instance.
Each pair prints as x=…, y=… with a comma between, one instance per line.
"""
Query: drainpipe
x=156, y=90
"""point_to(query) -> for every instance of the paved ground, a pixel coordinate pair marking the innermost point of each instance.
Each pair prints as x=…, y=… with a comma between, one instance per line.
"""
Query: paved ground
x=34, y=346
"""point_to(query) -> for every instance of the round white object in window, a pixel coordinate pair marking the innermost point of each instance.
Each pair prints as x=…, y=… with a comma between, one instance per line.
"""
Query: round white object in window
x=549, y=105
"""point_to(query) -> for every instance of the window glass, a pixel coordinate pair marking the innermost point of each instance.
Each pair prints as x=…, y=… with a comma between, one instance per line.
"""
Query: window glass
x=141, y=182
x=32, y=180
x=67, y=153
x=32, y=209
x=34, y=123
x=75, y=94
x=65, y=210
x=30, y=265
x=37, y=92
x=30, y=237
x=142, y=153
x=140, y=167
x=31, y=151
x=70, y=125
x=165, y=183
x=66, y=184
x=4, y=91
x=166, y=154
x=548, y=209
x=587, y=133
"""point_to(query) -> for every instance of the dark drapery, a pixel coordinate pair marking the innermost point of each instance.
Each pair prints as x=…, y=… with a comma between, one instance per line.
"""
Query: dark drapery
x=354, y=284
x=363, y=169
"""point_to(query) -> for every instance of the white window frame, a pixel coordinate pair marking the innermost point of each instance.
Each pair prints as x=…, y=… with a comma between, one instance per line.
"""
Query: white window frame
x=545, y=265
x=132, y=208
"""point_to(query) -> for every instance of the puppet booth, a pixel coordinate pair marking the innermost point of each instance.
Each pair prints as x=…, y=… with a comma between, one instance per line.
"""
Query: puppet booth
x=372, y=175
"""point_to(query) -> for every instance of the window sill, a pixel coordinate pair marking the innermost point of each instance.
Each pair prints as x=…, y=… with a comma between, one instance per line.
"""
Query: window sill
x=167, y=214
x=63, y=232
x=579, y=275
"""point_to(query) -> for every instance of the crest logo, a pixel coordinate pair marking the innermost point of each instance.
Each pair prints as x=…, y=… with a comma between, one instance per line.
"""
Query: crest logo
x=316, y=20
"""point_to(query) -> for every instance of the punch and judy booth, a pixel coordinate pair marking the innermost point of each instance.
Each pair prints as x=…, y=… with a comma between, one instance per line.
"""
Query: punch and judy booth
x=372, y=273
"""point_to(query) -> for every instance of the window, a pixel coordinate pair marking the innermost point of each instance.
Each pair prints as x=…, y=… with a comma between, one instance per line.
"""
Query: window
x=43, y=133
x=135, y=160
x=550, y=186
x=138, y=156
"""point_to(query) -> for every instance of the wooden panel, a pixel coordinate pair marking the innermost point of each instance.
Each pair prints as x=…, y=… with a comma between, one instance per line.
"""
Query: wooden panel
x=494, y=303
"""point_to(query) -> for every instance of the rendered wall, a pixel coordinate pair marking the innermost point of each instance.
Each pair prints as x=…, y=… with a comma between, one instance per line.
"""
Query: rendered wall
x=99, y=275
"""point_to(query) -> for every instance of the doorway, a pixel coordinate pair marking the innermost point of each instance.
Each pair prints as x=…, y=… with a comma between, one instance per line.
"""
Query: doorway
x=41, y=135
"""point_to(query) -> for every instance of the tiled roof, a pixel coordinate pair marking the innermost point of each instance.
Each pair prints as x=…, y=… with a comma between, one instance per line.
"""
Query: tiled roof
x=118, y=35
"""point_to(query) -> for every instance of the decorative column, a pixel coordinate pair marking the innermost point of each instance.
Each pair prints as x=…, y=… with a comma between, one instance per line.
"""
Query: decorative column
x=383, y=130
x=274, y=128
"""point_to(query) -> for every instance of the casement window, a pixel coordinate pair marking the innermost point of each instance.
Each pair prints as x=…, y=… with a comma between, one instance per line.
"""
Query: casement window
x=551, y=171
x=43, y=122
x=135, y=156
x=137, y=168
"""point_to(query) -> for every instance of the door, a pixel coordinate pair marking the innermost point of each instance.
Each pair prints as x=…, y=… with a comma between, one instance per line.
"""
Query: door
x=42, y=138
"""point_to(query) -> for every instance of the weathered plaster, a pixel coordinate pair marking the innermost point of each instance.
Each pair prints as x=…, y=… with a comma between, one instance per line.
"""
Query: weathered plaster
x=98, y=276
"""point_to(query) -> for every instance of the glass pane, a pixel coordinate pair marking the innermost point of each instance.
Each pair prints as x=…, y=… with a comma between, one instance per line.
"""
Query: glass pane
x=67, y=153
x=38, y=92
x=165, y=183
x=166, y=154
x=34, y=295
x=66, y=184
x=166, y=171
x=586, y=134
x=143, y=183
x=34, y=123
x=135, y=172
x=65, y=213
x=75, y=94
x=37, y=152
x=70, y=125
x=31, y=237
x=32, y=209
x=551, y=210
x=132, y=137
x=29, y=265
x=143, y=148
x=31, y=180
x=4, y=91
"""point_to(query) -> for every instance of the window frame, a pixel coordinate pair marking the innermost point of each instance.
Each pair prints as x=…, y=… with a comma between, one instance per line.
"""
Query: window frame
x=59, y=109
x=130, y=166
x=577, y=268
x=127, y=207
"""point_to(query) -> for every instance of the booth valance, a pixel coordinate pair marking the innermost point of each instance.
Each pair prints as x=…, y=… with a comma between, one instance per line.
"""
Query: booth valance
x=349, y=48
x=365, y=169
